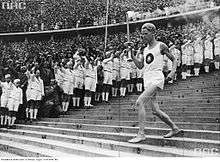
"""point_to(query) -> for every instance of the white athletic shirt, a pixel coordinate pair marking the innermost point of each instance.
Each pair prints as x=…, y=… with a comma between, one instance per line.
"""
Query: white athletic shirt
x=217, y=45
x=198, y=46
x=6, y=88
x=91, y=71
x=116, y=64
x=153, y=59
x=208, y=45
x=107, y=65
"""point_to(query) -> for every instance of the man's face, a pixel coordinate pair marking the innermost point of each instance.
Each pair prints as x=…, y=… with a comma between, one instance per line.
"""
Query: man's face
x=37, y=73
x=17, y=84
x=8, y=79
x=146, y=35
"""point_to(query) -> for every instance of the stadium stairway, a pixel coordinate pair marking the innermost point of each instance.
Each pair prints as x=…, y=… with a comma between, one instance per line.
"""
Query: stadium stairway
x=194, y=104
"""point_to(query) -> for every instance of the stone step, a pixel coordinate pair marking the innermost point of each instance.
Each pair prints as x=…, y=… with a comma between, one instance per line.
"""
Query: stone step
x=120, y=147
x=195, y=83
x=182, y=125
x=27, y=150
x=172, y=103
x=179, y=142
x=163, y=106
x=7, y=155
x=174, y=95
x=188, y=133
x=192, y=85
x=169, y=110
x=215, y=114
x=67, y=149
x=169, y=99
x=151, y=118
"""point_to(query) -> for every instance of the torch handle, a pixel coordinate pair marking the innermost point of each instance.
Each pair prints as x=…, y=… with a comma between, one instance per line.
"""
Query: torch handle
x=128, y=31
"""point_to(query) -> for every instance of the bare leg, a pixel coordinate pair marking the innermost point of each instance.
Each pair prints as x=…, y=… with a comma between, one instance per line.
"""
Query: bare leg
x=164, y=117
x=159, y=113
x=141, y=103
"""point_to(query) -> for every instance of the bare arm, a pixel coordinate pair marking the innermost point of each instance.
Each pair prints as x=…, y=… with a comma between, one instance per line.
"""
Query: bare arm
x=105, y=61
x=86, y=62
x=165, y=51
x=138, y=59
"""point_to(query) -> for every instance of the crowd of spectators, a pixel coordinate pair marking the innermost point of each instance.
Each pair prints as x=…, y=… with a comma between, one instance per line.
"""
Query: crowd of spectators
x=44, y=58
x=51, y=15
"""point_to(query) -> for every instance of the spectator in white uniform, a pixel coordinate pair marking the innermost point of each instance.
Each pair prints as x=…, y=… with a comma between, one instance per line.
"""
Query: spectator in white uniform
x=198, y=56
x=15, y=99
x=90, y=80
x=116, y=74
x=35, y=92
x=217, y=50
x=107, y=67
x=208, y=52
x=7, y=88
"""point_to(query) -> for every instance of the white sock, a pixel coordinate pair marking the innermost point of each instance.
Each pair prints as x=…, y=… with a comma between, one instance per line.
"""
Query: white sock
x=132, y=87
x=175, y=76
x=77, y=101
x=124, y=91
x=103, y=96
x=74, y=101
x=66, y=106
x=217, y=65
x=116, y=90
x=31, y=113
x=121, y=91
x=89, y=101
x=27, y=113
x=35, y=113
x=107, y=94
x=98, y=97
x=86, y=101
x=188, y=72
x=13, y=120
x=6, y=120
x=2, y=120
x=63, y=106
x=206, y=69
x=196, y=71
x=113, y=91
x=171, y=81
x=184, y=75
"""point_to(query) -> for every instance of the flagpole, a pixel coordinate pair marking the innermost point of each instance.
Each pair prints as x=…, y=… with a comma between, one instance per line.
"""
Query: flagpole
x=106, y=24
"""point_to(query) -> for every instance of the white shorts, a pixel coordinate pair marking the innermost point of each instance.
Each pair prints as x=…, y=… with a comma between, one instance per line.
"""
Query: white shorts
x=125, y=74
x=4, y=101
x=107, y=78
x=79, y=82
x=217, y=52
x=154, y=78
x=13, y=105
x=198, y=58
x=189, y=60
x=116, y=75
x=68, y=88
x=90, y=84
x=208, y=55
x=33, y=94
x=184, y=59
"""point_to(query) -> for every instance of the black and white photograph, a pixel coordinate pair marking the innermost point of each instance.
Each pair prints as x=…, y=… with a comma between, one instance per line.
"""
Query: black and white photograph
x=109, y=78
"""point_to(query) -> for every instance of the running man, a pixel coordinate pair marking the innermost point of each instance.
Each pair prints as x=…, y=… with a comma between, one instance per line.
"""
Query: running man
x=151, y=60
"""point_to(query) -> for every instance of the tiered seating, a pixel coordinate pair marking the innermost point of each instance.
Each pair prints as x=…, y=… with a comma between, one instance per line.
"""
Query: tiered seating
x=104, y=130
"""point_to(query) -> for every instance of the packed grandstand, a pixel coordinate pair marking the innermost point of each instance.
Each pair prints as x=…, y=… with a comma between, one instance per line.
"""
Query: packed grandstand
x=23, y=54
x=41, y=15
